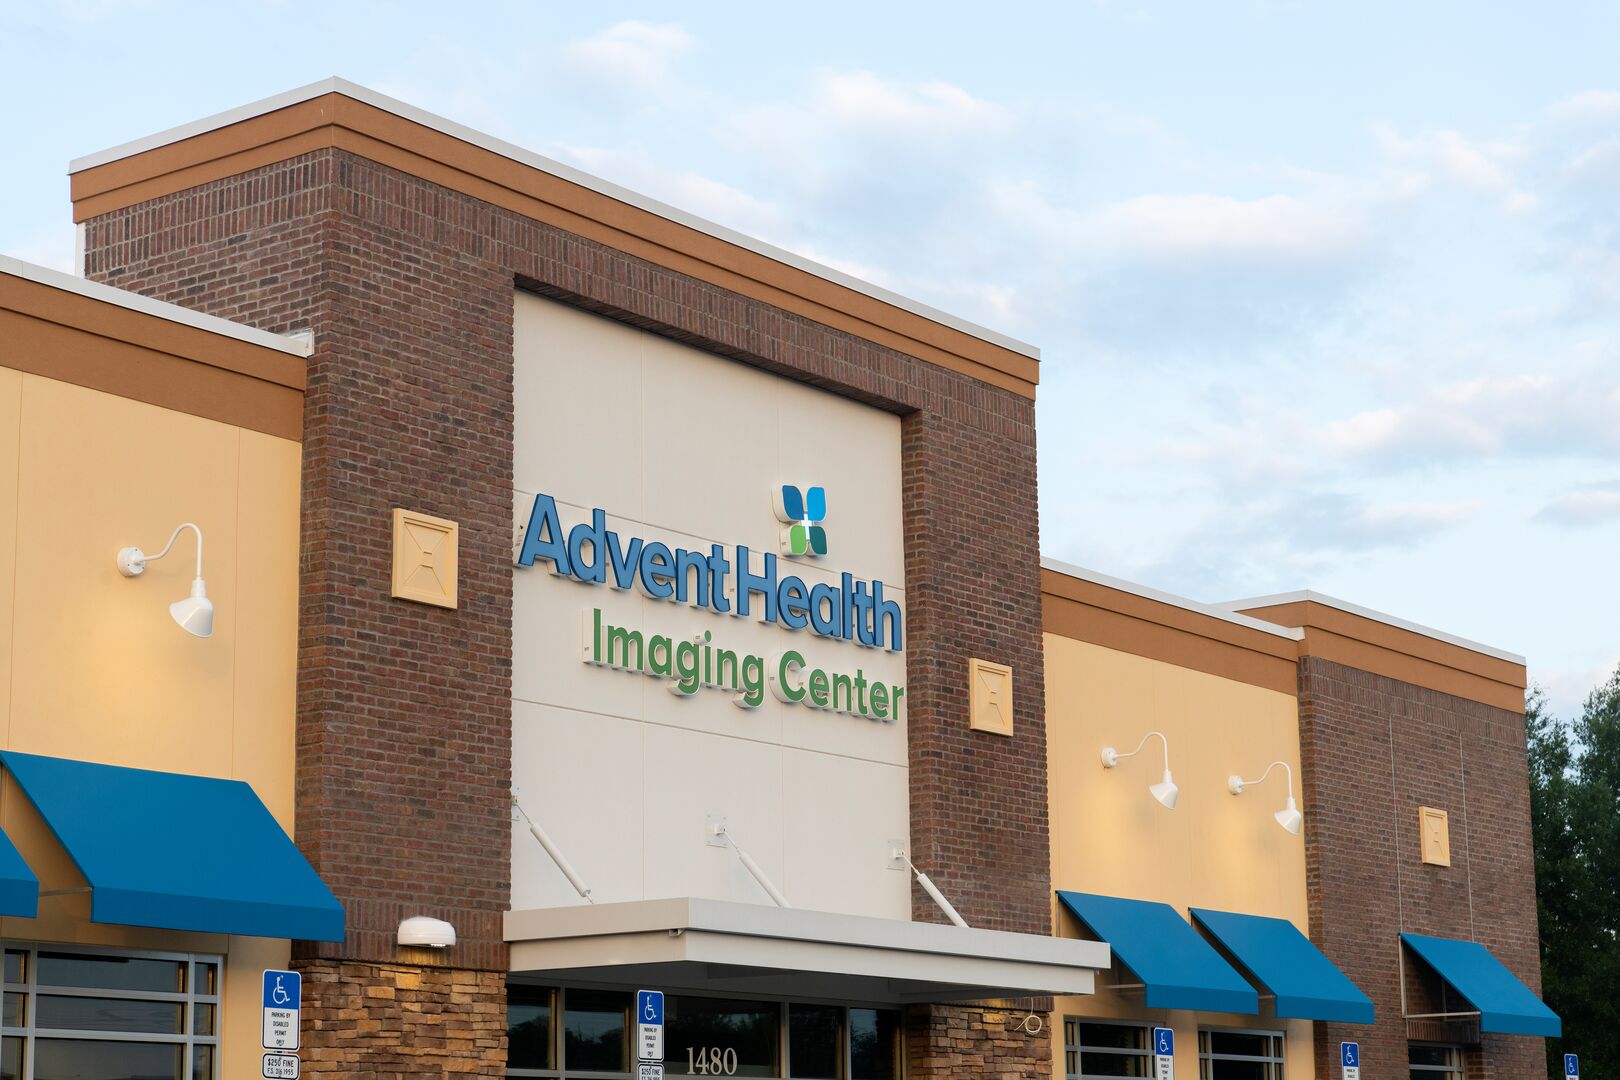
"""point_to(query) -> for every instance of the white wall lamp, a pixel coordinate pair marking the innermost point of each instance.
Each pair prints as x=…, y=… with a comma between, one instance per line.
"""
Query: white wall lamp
x=195, y=613
x=423, y=932
x=1165, y=790
x=1289, y=816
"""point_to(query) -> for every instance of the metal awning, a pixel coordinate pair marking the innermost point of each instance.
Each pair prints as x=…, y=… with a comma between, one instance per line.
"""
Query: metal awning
x=177, y=852
x=1505, y=1005
x=1306, y=984
x=690, y=943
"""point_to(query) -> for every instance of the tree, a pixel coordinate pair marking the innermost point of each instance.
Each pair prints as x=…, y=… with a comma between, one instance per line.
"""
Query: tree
x=1575, y=812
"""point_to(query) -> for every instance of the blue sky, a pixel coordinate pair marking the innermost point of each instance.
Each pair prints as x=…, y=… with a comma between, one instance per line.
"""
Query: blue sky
x=1328, y=297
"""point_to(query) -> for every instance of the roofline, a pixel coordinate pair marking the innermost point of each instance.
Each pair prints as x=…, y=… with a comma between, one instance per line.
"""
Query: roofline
x=1211, y=610
x=300, y=346
x=1309, y=596
x=518, y=154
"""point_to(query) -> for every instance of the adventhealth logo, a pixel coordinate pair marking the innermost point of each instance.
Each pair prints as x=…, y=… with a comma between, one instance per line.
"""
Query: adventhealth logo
x=853, y=610
x=803, y=512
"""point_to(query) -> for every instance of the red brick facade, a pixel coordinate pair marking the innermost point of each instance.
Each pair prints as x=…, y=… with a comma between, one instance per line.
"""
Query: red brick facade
x=1374, y=750
x=404, y=710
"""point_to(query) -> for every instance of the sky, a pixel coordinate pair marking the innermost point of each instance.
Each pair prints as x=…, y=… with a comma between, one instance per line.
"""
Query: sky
x=1328, y=296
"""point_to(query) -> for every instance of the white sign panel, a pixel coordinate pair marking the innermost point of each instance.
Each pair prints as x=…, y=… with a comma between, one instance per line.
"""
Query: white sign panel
x=280, y=1066
x=1164, y=1054
x=282, y=991
x=650, y=1026
x=649, y=1071
x=1350, y=1060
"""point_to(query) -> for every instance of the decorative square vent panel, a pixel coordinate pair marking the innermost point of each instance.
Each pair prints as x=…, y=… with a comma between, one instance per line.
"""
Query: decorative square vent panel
x=1436, y=832
x=990, y=697
x=425, y=558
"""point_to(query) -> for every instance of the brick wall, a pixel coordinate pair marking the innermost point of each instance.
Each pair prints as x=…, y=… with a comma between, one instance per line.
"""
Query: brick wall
x=1373, y=750
x=404, y=710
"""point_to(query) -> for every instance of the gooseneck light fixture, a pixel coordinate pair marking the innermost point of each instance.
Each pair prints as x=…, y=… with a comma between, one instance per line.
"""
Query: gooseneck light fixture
x=1165, y=790
x=195, y=613
x=1289, y=816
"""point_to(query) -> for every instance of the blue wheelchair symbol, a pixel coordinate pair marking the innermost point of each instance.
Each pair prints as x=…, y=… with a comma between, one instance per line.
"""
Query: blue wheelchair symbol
x=1164, y=1042
x=1572, y=1065
x=1350, y=1055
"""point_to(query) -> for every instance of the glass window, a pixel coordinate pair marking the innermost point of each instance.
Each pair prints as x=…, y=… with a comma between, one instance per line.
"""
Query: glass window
x=720, y=1037
x=594, y=1035
x=1240, y=1055
x=530, y=1043
x=815, y=1042
x=1100, y=1049
x=1431, y=1062
x=106, y=1015
x=874, y=1044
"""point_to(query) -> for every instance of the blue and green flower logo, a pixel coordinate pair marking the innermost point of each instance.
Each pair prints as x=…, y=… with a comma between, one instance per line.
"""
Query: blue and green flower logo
x=803, y=511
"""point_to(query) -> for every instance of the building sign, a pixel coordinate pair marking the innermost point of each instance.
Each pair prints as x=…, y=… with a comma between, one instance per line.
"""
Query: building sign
x=724, y=582
x=1572, y=1066
x=1164, y=1054
x=650, y=1027
x=282, y=991
x=854, y=610
x=1350, y=1061
x=280, y=1067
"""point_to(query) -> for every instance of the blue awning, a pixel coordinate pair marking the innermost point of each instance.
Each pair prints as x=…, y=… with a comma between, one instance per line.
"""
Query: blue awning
x=1178, y=969
x=1306, y=984
x=178, y=852
x=1506, y=1006
x=19, y=888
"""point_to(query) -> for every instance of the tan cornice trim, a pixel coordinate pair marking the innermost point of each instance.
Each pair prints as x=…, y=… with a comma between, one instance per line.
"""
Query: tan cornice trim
x=121, y=349
x=334, y=114
x=1383, y=648
x=1104, y=611
x=1312, y=596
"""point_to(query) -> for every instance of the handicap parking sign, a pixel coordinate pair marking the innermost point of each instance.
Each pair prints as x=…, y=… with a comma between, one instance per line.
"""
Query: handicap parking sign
x=1350, y=1060
x=1572, y=1065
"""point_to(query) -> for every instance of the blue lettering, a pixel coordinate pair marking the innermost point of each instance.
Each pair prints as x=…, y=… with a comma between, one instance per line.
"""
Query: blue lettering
x=594, y=534
x=625, y=560
x=790, y=603
x=543, y=538
x=657, y=570
x=748, y=583
x=826, y=615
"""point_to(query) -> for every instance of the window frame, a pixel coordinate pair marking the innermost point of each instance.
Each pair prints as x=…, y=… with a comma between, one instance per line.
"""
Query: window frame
x=784, y=1062
x=1457, y=1067
x=31, y=990
x=1207, y=1057
x=1080, y=1048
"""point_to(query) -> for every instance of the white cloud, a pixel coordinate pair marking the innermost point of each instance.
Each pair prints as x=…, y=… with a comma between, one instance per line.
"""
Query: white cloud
x=1178, y=229
x=1593, y=505
x=1546, y=414
x=634, y=52
x=860, y=99
x=1589, y=105
x=1483, y=166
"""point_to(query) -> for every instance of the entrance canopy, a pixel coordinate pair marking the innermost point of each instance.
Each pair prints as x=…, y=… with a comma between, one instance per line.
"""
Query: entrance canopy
x=690, y=943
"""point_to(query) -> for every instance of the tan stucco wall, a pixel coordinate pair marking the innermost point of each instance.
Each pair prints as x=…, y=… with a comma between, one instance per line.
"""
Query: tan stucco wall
x=1214, y=850
x=92, y=666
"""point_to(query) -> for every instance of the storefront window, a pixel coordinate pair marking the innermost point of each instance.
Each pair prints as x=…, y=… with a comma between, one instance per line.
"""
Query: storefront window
x=874, y=1044
x=815, y=1042
x=1430, y=1062
x=530, y=1034
x=1101, y=1049
x=569, y=1034
x=1240, y=1055
x=721, y=1037
x=102, y=1015
x=594, y=1030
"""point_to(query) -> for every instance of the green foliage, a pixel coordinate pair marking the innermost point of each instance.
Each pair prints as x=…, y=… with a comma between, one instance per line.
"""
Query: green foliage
x=1575, y=811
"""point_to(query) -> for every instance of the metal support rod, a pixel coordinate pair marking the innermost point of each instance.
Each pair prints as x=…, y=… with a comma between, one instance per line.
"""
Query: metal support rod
x=933, y=892
x=753, y=868
x=551, y=848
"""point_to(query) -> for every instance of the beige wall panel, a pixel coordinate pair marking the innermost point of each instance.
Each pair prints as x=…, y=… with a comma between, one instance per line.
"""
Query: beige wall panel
x=101, y=670
x=1214, y=850
x=93, y=667
x=10, y=445
x=836, y=846
x=266, y=660
x=580, y=776
x=683, y=447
